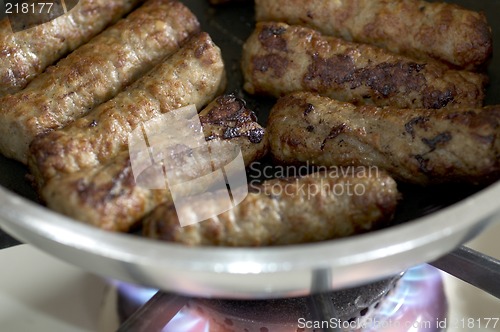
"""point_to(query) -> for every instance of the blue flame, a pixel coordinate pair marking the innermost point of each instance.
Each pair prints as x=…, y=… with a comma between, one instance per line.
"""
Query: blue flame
x=417, y=303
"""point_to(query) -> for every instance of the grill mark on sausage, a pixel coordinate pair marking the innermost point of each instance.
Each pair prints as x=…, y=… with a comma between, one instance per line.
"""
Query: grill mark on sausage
x=423, y=164
x=455, y=36
x=360, y=74
x=488, y=140
x=270, y=38
x=410, y=126
x=334, y=133
x=229, y=108
x=232, y=112
x=231, y=133
x=338, y=69
x=198, y=53
x=385, y=78
x=459, y=145
x=474, y=119
x=275, y=62
x=388, y=78
x=438, y=99
x=440, y=139
x=98, y=195
x=309, y=109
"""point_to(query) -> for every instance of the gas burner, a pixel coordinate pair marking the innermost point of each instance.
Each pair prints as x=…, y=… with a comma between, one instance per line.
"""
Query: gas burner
x=412, y=302
x=353, y=306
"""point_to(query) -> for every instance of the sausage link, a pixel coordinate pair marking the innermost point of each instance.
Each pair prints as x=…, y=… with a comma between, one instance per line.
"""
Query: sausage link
x=107, y=196
x=415, y=28
x=417, y=146
x=193, y=75
x=279, y=59
x=94, y=73
x=26, y=54
x=313, y=208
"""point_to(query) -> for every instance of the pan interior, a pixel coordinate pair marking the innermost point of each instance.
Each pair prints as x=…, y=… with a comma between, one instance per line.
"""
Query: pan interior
x=229, y=26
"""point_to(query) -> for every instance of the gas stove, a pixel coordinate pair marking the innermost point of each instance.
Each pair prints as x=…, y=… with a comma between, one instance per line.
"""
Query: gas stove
x=41, y=293
x=394, y=304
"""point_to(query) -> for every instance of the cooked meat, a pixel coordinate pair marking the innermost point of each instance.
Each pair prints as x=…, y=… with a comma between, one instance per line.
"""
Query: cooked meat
x=94, y=73
x=25, y=54
x=419, y=29
x=193, y=75
x=229, y=119
x=279, y=59
x=287, y=211
x=417, y=146
x=107, y=196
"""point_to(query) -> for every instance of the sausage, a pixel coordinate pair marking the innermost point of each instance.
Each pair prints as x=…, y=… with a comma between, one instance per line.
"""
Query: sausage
x=417, y=146
x=288, y=211
x=26, y=54
x=279, y=59
x=420, y=29
x=94, y=73
x=193, y=75
x=108, y=197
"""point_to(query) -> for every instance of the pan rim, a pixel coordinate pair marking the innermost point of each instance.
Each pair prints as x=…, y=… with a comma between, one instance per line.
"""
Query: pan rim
x=399, y=244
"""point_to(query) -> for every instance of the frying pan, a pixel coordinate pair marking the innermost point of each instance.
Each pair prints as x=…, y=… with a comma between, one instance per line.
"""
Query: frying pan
x=430, y=222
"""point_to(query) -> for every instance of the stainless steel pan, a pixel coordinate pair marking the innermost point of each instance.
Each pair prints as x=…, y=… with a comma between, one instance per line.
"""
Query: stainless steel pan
x=430, y=222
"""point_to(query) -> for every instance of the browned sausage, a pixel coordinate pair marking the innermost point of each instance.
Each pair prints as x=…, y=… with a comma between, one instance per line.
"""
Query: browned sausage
x=416, y=28
x=288, y=211
x=193, y=75
x=279, y=59
x=108, y=197
x=94, y=73
x=417, y=146
x=25, y=54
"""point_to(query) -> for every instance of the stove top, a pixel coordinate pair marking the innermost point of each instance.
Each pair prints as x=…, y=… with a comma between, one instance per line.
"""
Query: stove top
x=41, y=293
x=413, y=302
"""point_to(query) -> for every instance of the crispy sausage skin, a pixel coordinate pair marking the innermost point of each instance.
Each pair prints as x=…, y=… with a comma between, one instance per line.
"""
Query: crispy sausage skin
x=108, y=197
x=229, y=119
x=279, y=59
x=94, y=73
x=193, y=75
x=25, y=54
x=419, y=29
x=287, y=211
x=416, y=146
